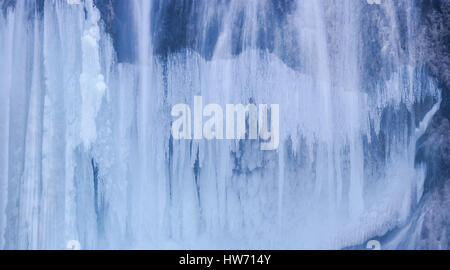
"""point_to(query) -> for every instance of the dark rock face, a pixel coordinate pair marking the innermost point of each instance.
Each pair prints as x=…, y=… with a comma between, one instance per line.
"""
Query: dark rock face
x=381, y=55
x=435, y=30
x=433, y=147
x=116, y=16
x=429, y=226
x=434, y=151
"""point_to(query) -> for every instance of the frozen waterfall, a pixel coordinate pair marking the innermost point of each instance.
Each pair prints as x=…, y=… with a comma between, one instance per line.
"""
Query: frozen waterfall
x=86, y=151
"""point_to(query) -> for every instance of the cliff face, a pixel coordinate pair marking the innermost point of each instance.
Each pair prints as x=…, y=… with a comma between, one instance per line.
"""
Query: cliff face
x=429, y=226
x=434, y=50
x=433, y=147
x=435, y=31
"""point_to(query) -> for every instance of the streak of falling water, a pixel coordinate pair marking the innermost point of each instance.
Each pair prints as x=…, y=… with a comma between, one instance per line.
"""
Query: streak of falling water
x=6, y=26
x=144, y=186
x=351, y=88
